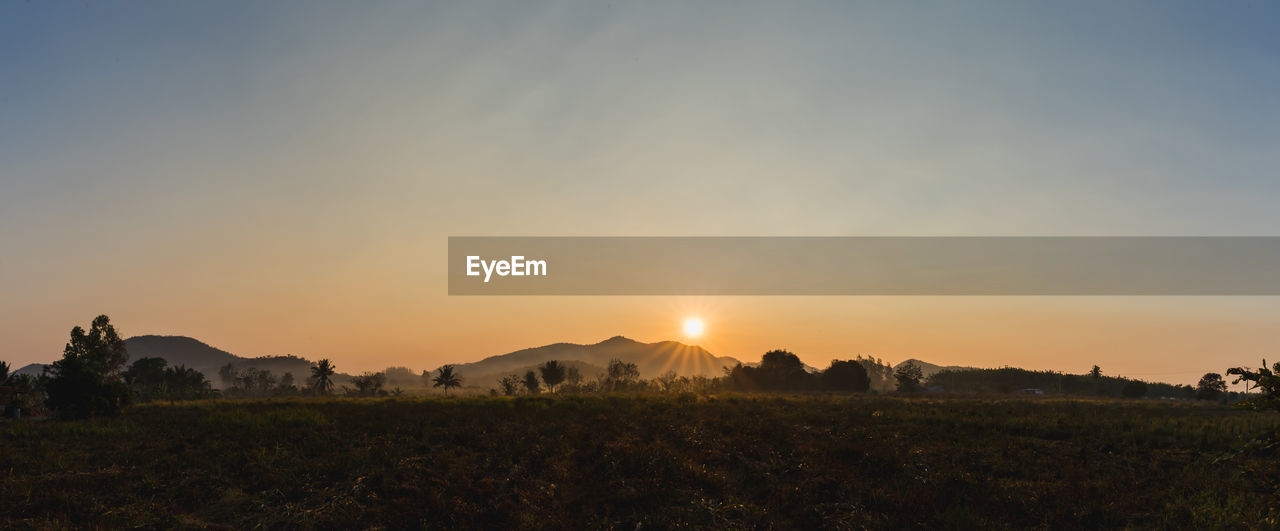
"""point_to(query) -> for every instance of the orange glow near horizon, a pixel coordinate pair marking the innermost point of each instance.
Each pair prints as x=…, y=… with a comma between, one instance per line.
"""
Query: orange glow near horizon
x=1159, y=339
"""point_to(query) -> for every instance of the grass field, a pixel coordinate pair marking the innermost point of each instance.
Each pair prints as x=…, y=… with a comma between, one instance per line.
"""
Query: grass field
x=615, y=461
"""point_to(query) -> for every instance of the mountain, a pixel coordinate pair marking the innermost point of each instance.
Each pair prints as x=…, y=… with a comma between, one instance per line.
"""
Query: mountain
x=34, y=369
x=652, y=359
x=195, y=354
x=179, y=350
x=928, y=369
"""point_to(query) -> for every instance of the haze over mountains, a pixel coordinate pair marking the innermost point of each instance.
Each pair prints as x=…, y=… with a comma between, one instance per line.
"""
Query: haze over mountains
x=195, y=354
x=652, y=359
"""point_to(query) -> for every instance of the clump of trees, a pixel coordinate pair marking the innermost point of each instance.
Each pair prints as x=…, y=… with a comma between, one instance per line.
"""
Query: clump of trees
x=556, y=376
x=620, y=376
x=509, y=385
x=879, y=373
x=779, y=370
x=368, y=384
x=782, y=371
x=1211, y=387
x=908, y=377
x=153, y=379
x=91, y=378
x=252, y=382
x=88, y=380
x=1011, y=379
x=848, y=376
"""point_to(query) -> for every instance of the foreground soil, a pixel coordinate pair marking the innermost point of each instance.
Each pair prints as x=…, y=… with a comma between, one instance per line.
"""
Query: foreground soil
x=617, y=461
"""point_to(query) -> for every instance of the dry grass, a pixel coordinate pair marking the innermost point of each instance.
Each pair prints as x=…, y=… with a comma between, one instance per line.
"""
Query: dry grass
x=615, y=461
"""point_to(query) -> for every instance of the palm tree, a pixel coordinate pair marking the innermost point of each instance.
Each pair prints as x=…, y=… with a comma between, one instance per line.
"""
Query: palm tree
x=531, y=382
x=552, y=374
x=320, y=381
x=446, y=378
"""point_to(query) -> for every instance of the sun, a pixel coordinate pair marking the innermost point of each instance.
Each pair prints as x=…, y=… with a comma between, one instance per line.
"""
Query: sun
x=693, y=326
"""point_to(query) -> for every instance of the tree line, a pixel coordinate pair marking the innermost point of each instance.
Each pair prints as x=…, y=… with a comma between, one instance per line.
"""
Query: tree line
x=1211, y=386
x=778, y=371
x=92, y=379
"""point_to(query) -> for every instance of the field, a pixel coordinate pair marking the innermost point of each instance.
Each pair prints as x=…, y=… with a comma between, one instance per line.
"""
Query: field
x=618, y=461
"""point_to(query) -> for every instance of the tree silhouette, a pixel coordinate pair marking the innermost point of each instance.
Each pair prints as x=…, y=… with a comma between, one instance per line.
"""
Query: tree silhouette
x=1265, y=380
x=1095, y=372
x=552, y=374
x=369, y=383
x=146, y=376
x=531, y=382
x=182, y=383
x=1260, y=467
x=667, y=381
x=153, y=379
x=446, y=378
x=1211, y=387
x=321, y=377
x=287, y=386
x=780, y=370
x=849, y=376
x=87, y=380
x=227, y=375
x=509, y=384
x=879, y=372
x=620, y=375
x=573, y=376
x=908, y=376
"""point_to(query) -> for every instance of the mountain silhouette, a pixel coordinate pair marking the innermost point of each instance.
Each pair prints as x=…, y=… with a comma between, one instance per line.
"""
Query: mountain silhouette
x=176, y=350
x=928, y=369
x=652, y=359
x=30, y=369
x=179, y=350
x=195, y=354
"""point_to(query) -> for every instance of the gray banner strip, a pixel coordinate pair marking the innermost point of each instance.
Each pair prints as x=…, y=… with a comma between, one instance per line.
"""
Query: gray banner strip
x=864, y=265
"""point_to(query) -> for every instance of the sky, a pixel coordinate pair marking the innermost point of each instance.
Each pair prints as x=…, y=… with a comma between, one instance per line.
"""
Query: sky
x=282, y=177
